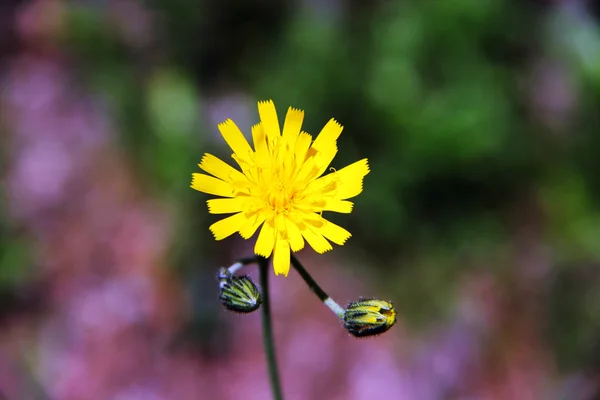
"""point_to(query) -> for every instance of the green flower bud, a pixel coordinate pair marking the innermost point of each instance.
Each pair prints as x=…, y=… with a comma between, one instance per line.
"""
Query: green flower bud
x=238, y=293
x=368, y=317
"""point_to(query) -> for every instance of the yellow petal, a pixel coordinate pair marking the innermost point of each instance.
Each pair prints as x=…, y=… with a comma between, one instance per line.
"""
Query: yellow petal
x=292, y=125
x=313, y=219
x=294, y=236
x=342, y=184
x=325, y=156
x=266, y=240
x=329, y=134
x=251, y=225
x=324, y=186
x=281, y=257
x=316, y=165
x=335, y=233
x=309, y=169
x=287, y=160
x=219, y=168
x=225, y=206
x=211, y=185
x=228, y=226
x=315, y=240
x=351, y=179
x=312, y=205
x=301, y=148
x=268, y=119
x=246, y=164
x=339, y=206
x=260, y=145
x=280, y=225
x=235, y=139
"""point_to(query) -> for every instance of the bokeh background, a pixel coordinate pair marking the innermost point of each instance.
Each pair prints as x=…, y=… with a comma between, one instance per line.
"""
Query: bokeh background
x=480, y=219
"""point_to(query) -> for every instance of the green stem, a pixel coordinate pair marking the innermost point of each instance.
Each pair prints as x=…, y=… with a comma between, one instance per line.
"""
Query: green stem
x=267, y=329
x=314, y=286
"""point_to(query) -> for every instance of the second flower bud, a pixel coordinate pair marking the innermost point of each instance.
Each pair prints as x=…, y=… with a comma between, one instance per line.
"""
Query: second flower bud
x=238, y=293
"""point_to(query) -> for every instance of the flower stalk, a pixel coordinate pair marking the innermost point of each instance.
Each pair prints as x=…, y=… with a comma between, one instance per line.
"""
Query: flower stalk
x=267, y=329
x=314, y=286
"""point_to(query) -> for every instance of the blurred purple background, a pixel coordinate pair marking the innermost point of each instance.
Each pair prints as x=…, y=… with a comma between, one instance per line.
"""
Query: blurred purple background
x=479, y=220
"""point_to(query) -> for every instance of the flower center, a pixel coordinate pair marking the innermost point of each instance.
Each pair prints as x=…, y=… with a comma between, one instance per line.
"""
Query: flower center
x=279, y=197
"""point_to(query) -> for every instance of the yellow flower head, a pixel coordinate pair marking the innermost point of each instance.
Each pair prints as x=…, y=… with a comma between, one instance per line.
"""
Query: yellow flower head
x=280, y=186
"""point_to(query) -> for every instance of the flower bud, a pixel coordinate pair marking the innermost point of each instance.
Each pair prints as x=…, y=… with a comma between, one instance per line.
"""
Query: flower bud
x=368, y=317
x=238, y=293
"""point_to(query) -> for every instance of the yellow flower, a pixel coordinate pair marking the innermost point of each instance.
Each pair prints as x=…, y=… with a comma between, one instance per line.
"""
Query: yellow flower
x=280, y=186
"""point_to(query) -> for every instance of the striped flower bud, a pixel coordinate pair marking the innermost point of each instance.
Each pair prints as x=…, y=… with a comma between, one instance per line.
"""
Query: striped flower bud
x=238, y=293
x=368, y=317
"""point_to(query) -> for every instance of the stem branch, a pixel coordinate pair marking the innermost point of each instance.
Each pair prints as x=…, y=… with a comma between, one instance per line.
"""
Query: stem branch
x=314, y=286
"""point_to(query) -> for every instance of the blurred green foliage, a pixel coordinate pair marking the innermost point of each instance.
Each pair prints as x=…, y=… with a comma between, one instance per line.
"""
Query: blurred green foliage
x=15, y=256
